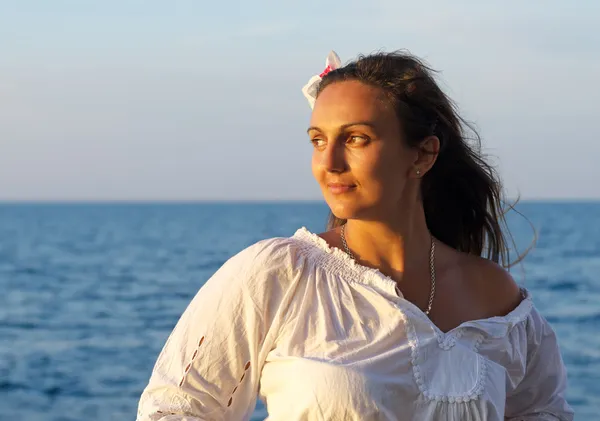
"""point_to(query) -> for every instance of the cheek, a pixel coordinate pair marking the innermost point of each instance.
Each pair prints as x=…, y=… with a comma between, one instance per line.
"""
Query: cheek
x=380, y=167
x=394, y=169
x=383, y=174
x=315, y=166
x=398, y=161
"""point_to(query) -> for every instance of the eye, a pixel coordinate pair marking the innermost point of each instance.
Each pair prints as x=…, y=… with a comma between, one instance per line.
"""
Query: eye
x=317, y=142
x=358, y=140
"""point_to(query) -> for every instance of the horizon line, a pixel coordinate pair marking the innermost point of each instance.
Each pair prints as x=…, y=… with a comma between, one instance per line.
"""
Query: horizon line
x=237, y=201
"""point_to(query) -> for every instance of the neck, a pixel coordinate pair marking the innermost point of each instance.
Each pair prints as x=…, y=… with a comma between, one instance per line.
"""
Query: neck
x=398, y=248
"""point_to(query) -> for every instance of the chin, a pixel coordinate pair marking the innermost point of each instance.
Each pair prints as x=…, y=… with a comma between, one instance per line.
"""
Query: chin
x=345, y=209
x=352, y=208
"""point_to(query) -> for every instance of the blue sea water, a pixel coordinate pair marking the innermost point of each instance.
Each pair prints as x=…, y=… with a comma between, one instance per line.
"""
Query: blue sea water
x=90, y=293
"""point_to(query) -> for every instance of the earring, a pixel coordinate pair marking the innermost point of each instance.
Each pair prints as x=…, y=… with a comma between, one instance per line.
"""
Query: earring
x=418, y=172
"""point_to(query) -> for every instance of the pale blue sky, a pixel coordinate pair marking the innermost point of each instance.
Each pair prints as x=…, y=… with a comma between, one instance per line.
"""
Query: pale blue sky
x=187, y=100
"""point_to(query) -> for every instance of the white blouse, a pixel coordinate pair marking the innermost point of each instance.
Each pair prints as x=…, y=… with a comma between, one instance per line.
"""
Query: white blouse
x=319, y=337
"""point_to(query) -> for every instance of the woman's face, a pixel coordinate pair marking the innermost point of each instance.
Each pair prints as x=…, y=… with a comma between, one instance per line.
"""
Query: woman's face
x=360, y=159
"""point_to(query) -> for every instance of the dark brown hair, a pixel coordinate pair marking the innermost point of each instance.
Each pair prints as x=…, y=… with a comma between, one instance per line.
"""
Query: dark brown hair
x=462, y=193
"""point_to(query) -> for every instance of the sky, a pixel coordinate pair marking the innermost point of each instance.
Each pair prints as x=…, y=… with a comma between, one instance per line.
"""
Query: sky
x=195, y=100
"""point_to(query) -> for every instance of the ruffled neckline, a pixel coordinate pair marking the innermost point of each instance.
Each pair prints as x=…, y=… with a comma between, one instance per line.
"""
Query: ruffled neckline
x=338, y=261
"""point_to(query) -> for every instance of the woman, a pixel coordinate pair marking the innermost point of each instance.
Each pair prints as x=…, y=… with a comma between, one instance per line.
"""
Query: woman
x=400, y=311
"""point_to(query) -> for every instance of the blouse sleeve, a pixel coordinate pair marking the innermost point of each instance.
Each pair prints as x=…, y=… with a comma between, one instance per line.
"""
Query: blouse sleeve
x=540, y=395
x=209, y=368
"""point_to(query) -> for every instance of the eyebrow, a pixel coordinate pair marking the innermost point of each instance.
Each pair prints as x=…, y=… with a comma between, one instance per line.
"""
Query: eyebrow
x=347, y=126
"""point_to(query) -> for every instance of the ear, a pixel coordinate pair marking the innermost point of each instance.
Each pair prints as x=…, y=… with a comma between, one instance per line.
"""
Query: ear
x=427, y=153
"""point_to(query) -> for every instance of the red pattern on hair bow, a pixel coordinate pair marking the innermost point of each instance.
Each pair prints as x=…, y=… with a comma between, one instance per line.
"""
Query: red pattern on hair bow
x=309, y=90
x=327, y=70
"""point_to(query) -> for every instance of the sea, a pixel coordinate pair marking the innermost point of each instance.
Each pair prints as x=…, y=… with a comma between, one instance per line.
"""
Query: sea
x=90, y=292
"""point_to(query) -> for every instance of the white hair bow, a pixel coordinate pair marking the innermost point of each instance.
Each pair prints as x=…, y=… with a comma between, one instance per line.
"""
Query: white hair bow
x=310, y=89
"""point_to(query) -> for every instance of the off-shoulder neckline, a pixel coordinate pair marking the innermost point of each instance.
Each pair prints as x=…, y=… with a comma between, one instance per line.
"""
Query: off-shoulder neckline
x=336, y=261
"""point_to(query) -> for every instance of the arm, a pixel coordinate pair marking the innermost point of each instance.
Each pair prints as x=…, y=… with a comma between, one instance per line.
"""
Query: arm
x=209, y=368
x=540, y=396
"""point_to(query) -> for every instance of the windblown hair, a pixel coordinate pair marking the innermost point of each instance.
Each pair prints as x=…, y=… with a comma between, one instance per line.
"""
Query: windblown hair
x=462, y=194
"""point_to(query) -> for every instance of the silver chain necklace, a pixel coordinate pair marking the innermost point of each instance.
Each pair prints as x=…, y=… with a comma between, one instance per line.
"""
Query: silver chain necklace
x=431, y=265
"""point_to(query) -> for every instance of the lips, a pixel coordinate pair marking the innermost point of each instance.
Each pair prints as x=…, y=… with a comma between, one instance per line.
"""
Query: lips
x=340, y=188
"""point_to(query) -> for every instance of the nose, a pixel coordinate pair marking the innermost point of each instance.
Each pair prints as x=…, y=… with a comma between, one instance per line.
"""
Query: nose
x=333, y=158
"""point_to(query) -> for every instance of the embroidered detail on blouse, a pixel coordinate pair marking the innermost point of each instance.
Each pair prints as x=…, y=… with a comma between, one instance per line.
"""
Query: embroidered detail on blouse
x=446, y=344
x=175, y=405
x=413, y=342
x=246, y=368
x=187, y=368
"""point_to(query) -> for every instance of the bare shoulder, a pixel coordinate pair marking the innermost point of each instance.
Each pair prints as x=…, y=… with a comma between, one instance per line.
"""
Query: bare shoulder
x=493, y=285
